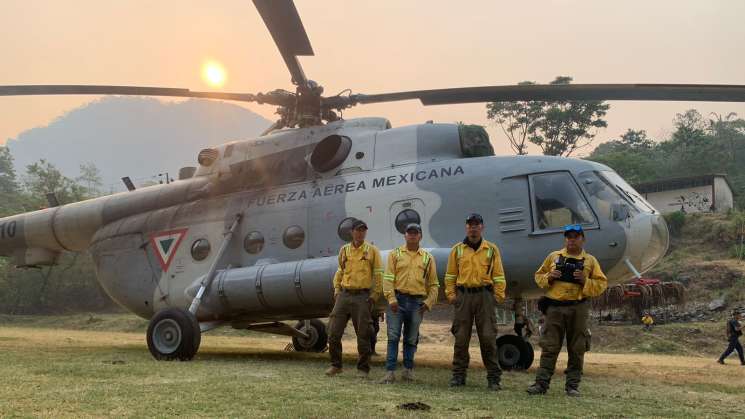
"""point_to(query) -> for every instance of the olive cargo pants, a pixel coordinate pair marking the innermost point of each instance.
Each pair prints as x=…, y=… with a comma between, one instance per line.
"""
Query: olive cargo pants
x=561, y=321
x=475, y=307
x=354, y=306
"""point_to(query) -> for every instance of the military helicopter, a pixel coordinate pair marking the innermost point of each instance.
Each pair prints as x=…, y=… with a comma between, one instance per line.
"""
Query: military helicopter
x=249, y=238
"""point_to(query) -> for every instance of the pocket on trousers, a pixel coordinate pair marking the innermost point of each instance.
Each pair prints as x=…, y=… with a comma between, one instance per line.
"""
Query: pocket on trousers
x=588, y=340
x=459, y=297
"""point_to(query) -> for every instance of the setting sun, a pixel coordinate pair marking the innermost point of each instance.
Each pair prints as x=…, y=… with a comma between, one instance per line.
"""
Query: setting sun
x=213, y=74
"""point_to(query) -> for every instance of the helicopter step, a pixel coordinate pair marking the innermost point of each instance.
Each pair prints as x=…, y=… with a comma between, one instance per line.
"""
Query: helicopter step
x=307, y=335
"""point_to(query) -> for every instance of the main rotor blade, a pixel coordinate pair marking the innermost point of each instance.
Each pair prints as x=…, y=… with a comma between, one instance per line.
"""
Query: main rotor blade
x=282, y=20
x=573, y=92
x=76, y=89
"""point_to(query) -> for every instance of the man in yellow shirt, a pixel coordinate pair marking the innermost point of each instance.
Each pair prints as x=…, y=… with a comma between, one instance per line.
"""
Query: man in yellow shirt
x=569, y=276
x=410, y=285
x=357, y=285
x=474, y=283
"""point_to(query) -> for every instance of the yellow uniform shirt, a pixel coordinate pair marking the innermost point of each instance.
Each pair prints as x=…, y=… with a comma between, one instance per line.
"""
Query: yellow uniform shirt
x=469, y=268
x=359, y=268
x=647, y=320
x=595, y=280
x=406, y=273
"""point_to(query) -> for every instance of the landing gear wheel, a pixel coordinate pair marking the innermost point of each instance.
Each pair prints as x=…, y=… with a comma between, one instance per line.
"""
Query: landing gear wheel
x=514, y=353
x=173, y=333
x=317, y=337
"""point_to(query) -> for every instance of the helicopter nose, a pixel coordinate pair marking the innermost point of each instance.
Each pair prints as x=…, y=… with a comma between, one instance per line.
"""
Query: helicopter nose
x=659, y=240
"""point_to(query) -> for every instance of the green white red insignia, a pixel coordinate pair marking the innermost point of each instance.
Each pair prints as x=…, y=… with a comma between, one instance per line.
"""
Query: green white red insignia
x=165, y=244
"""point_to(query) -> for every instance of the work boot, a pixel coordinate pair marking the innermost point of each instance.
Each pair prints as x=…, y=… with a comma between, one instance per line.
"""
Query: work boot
x=493, y=385
x=332, y=371
x=407, y=375
x=572, y=391
x=457, y=381
x=389, y=378
x=364, y=375
x=537, y=388
x=720, y=361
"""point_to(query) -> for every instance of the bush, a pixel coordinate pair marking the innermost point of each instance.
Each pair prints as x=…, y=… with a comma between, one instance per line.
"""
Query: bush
x=738, y=251
x=675, y=221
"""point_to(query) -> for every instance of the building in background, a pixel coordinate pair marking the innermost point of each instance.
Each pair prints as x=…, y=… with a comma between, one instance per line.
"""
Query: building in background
x=704, y=193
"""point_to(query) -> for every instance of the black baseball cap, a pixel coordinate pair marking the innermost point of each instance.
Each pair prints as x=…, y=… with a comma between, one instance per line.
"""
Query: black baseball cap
x=359, y=224
x=474, y=218
x=414, y=226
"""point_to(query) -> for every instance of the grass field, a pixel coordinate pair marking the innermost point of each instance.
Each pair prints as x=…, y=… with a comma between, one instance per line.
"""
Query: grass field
x=76, y=368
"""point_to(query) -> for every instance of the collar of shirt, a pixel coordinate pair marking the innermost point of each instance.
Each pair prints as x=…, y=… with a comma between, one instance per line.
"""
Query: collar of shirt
x=363, y=246
x=474, y=246
x=565, y=253
x=419, y=251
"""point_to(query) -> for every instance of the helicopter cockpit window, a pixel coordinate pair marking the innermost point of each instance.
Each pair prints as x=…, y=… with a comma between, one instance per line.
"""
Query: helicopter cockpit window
x=200, y=249
x=405, y=218
x=254, y=242
x=628, y=192
x=557, y=202
x=345, y=229
x=330, y=152
x=279, y=168
x=609, y=203
x=294, y=237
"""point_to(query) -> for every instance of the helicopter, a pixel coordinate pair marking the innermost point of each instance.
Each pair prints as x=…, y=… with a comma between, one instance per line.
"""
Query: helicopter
x=248, y=238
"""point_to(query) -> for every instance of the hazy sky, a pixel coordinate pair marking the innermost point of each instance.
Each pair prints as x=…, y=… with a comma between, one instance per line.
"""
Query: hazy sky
x=374, y=47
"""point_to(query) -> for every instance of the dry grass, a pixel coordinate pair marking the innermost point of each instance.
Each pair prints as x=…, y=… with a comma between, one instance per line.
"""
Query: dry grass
x=82, y=373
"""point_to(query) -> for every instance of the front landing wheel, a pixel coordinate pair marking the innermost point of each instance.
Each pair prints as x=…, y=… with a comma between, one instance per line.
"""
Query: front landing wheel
x=173, y=333
x=514, y=353
x=317, y=337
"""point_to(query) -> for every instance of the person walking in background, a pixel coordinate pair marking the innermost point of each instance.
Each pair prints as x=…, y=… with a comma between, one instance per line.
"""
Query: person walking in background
x=734, y=331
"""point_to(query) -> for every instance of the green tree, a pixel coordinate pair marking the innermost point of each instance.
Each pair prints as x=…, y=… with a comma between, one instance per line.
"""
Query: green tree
x=566, y=126
x=11, y=199
x=515, y=119
x=43, y=178
x=697, y=146
x=90, y=178
x=8, y=180
x=558, y=127
x=633, y=156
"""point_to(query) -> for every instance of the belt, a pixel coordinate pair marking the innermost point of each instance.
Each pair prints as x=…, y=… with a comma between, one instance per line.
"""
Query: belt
x=356, y=290
x=474, y=290
x=410, y=295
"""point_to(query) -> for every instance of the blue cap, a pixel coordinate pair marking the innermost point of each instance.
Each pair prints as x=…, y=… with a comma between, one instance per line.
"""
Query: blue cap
x=573, y=228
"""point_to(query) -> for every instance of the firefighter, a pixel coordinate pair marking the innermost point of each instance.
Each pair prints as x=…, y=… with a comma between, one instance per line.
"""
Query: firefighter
x=647, y=321
x=570, y=276
x=474, y=283
x=410, y=285
x=357, y=285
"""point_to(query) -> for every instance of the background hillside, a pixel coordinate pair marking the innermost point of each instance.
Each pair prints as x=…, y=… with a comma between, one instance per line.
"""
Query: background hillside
x=134, y=136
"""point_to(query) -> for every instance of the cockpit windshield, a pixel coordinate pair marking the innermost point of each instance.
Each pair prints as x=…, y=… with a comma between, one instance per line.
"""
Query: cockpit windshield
x=629, y=193
x=608, y=202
